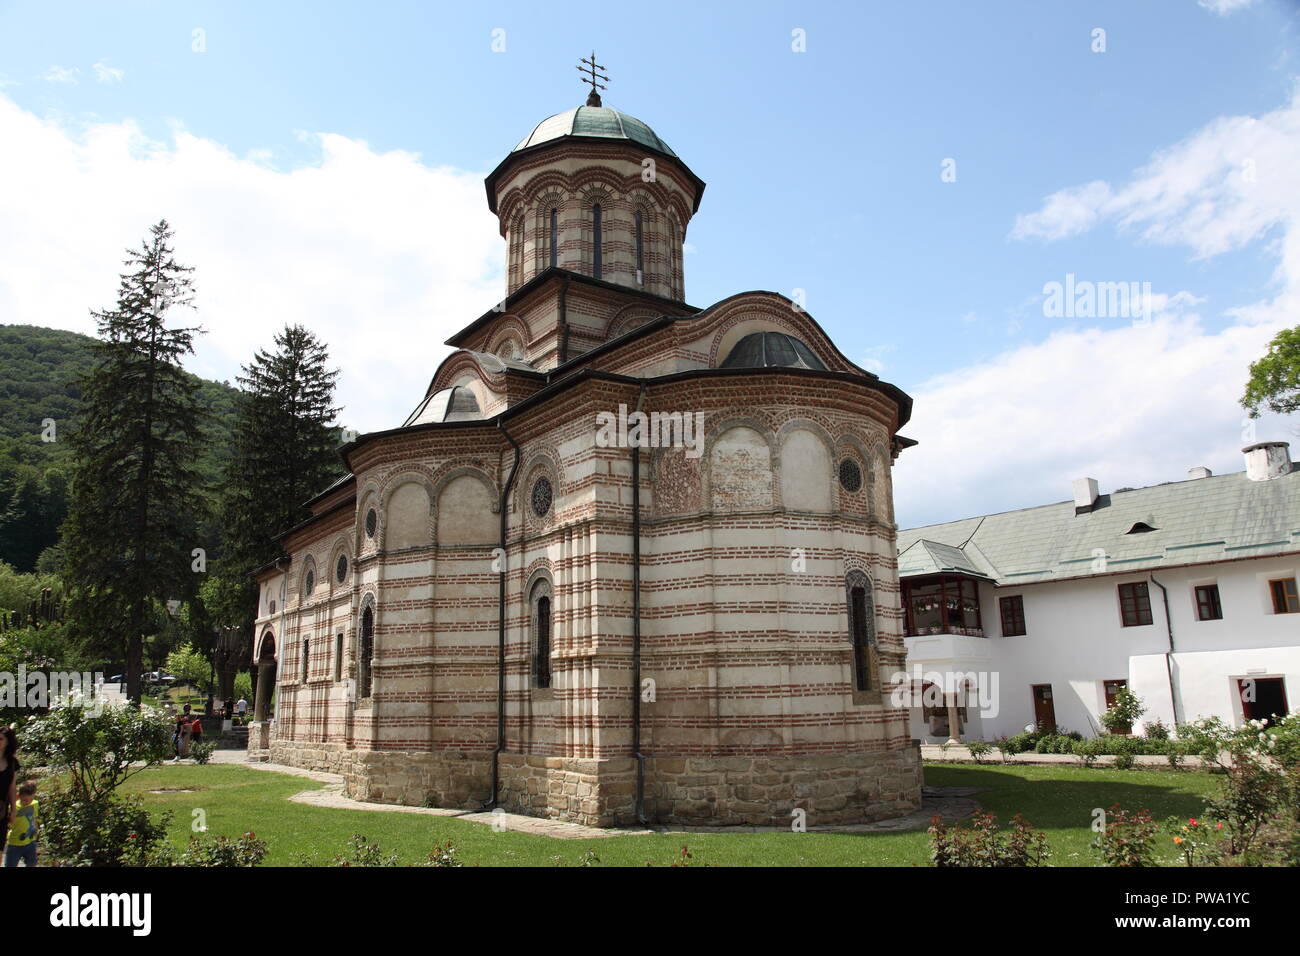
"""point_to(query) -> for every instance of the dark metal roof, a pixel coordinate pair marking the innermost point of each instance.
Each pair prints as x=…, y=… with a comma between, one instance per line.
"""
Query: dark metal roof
x=771, y=350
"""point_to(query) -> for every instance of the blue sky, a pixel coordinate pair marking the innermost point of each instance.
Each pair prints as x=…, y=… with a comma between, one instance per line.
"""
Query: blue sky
x=823, y=172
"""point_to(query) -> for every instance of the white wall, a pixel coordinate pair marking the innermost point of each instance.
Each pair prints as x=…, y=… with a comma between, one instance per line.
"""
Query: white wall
x=1075, y=640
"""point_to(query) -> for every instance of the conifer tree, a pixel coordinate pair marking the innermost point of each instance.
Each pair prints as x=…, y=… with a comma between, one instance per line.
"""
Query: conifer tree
x=135, y=491
x=285, y=453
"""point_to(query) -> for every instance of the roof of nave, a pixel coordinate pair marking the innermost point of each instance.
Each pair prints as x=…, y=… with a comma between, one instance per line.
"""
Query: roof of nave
x=1197, y=521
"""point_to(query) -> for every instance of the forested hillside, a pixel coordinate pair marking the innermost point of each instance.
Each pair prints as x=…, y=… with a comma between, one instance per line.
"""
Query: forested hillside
x=39, y=369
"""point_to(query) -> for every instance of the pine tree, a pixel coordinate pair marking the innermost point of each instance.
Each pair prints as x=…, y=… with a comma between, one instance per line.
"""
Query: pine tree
x=135, y=492
x=285, y=453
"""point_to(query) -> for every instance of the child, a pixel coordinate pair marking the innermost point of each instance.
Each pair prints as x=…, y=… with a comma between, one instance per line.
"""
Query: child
x=26, y=825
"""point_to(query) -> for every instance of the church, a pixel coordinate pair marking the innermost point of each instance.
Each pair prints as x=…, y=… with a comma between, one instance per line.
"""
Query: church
x=627, y=561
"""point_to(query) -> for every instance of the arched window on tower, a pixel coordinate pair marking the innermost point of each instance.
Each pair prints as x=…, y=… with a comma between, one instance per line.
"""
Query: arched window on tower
x=366, y=653
x=862, y=630
x=306, y=660
x=542, y=621
x=555, y=237
x=640, y=249
x=595, y=241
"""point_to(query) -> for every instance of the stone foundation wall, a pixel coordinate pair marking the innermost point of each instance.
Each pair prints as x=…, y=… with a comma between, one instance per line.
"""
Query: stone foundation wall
x=764, y=791
x=696, y=791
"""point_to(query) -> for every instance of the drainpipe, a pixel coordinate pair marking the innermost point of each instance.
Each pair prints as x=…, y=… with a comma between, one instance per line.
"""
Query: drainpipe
x=563, y=344
x=636, y=622
x=501, y=622
x=1169, y=655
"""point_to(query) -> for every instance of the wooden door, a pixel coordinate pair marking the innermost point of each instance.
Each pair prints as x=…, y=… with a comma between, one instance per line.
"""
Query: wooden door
x=1044, y=708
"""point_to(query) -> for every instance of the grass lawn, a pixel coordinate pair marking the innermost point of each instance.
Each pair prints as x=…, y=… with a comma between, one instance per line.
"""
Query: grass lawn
x=1057, y=800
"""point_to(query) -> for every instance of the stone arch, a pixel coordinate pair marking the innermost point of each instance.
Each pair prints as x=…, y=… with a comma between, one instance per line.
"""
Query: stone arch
x=539, y=599
x=595, y=194
x=628, y=318
x=537, y=461
x=367, y=498
x=551, y=196
x=882, y=499
x=464, y=503
x=267, y=662
x=366, y=642
x=308, y=572
x=510, y=328
x=406, y=520
x=341, y=546
x=811, y=486
x=860, y=616
x=849, y=445
x=742, y=459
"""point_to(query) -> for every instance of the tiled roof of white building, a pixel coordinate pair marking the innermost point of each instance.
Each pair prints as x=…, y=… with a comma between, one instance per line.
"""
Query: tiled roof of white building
x=1220, y=518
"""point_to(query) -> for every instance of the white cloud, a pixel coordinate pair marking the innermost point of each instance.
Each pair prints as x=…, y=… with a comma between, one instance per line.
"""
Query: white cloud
x=874, y=358
x=108, y=74
x=381, y=255
x=1225, y=8
x=1138, y=404
x=59, y=74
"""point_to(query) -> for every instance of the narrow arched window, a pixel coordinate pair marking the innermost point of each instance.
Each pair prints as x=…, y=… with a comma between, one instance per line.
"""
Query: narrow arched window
x=543, y=642
x=365, y=657
x=595, y=241
x=640, y=249
x=862, y=630
x=555, y=237
x=306, y=659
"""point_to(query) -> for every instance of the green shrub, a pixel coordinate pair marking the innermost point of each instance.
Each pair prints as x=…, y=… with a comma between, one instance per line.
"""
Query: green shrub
x=1129, y=838
x=361, y=852
x=1124, y=712
x=445, y=855
x=984, y=845
x=112, y=831
x=1156, y=730
x=1125, y=750
x=217, y=851
x=98, y=751
x=201, y=750
x=1018, y=743
x=1087, y=750
x=979, y=749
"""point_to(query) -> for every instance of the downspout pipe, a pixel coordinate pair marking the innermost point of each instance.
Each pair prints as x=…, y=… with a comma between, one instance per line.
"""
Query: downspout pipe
x=501, y=621
x=636, y=621
x=1169, y=655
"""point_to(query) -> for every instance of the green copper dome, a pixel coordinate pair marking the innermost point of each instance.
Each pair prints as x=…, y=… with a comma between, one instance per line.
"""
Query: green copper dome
x=597, y=121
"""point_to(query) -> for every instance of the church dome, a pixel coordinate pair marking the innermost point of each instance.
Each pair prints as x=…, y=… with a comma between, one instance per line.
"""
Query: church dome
x=595, y=121
x=771, y=350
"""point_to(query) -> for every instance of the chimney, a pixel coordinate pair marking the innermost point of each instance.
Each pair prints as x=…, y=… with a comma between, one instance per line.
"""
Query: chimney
x=1085, y=495
x=1267, y=459
x=1200, y=471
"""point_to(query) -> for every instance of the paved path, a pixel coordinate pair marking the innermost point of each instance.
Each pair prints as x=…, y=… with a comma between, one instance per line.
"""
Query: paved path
x=948, y=803
x=958, y=754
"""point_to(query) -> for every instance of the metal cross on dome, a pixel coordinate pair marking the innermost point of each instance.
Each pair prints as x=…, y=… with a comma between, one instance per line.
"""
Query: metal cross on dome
x=590, y=66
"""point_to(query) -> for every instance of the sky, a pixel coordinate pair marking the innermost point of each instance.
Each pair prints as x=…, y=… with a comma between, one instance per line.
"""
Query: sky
x=921, y=173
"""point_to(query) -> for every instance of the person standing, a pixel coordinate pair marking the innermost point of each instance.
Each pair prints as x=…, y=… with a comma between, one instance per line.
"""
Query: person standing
x=241, y=709
x=184, y=728
x=25, y=827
